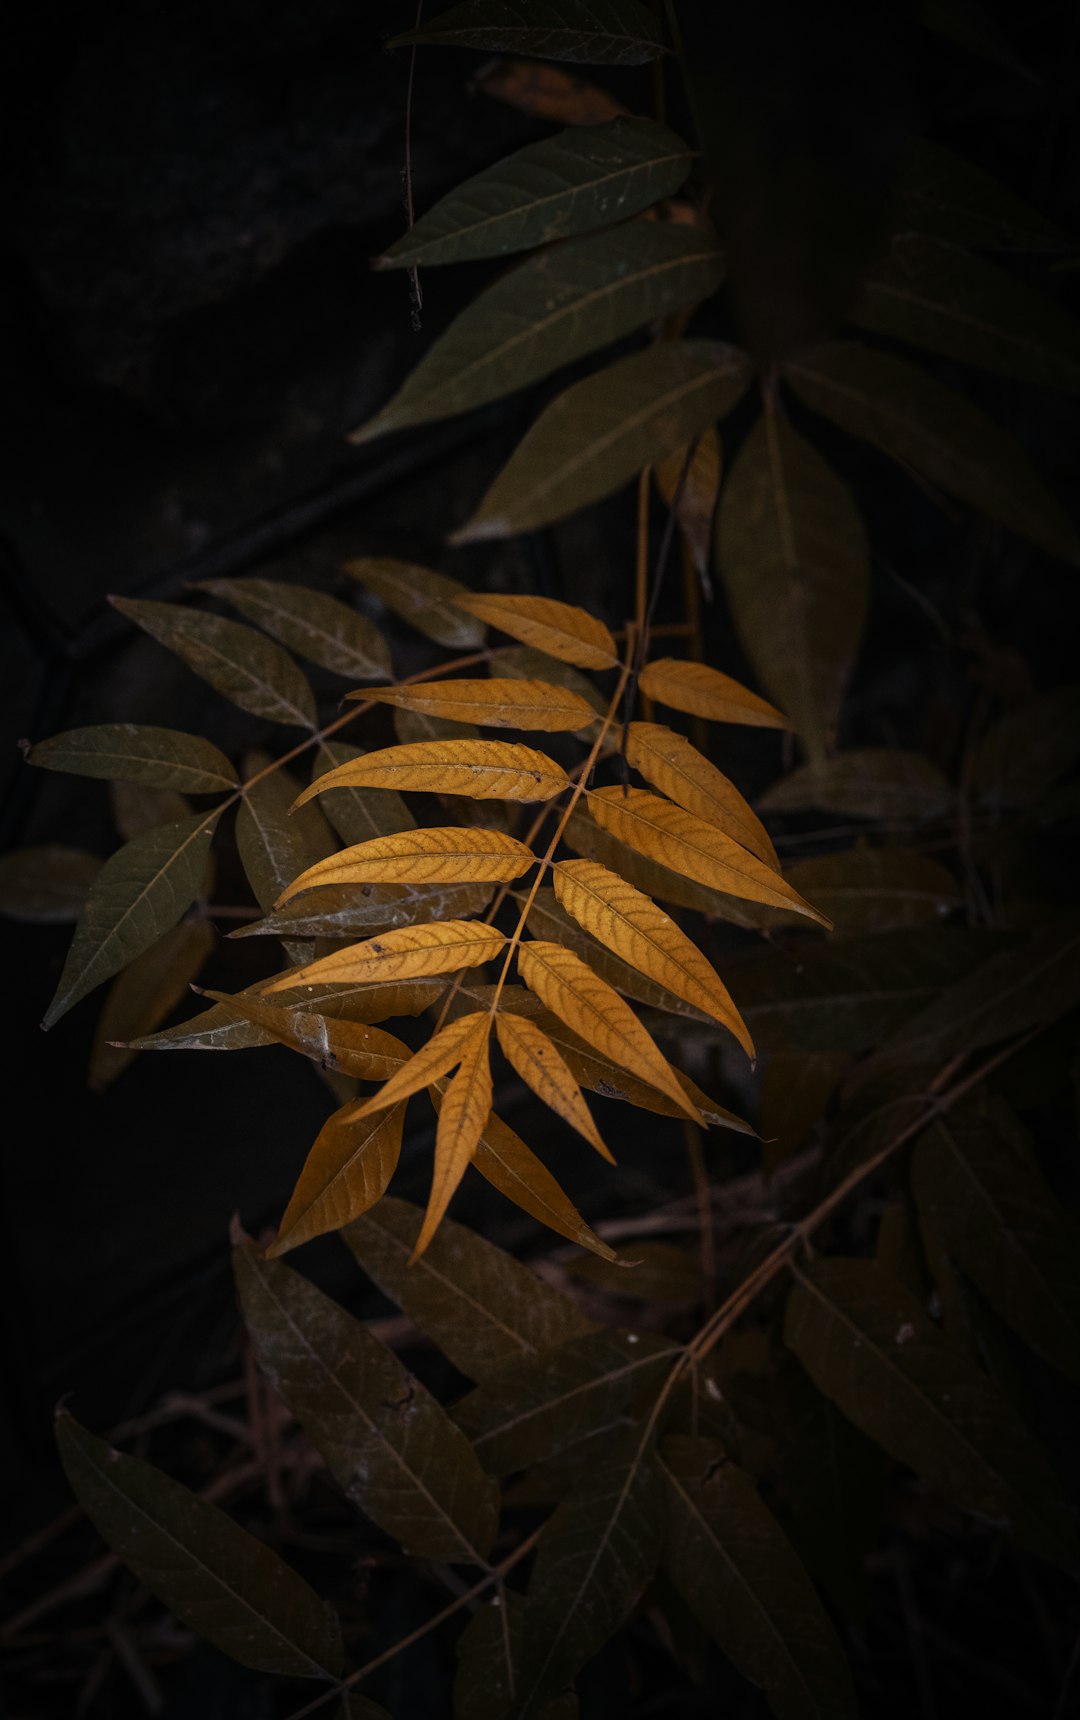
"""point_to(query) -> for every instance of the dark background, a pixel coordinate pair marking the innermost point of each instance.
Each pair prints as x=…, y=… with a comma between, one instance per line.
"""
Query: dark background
x=190, y=198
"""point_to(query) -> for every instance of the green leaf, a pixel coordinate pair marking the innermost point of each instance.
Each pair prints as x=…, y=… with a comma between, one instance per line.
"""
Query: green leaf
x=792, y=554
x=217, y=1579
x=930, y=293
x=979, y=1186
x=874, y=889
x=138, y=895
x=941, y=194
x=389, y=1444
x=48, y=884
x=535, y=1406
x=868, y=782
x=600, y=432
x=137, y=808
x=737, y=1571
x=357, y=814
x=346, y=1172
x=597, y=32
x=584, y=177
x=135, y=752
x=488, y=1648
x=277, y=845
x=866, y=1343
x=142, y=996
x=936, y=432
x=554, y=308
x=1027, y=751
x=422, y=597
x=312, y=624
x=239, y=663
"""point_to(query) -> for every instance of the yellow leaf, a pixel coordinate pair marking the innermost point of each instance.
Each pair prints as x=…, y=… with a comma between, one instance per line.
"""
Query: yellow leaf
x=443, y=1051
x=705, y=692
x=700, y=488
x=497, y=770
x=631, y=925
x=543, y=1068
x=511, y=1167
x=408, y=953
x=347, y=1047
x=501, y=703
x=588, y=1005
x=561, y=629
x=664, y=832
x=367, y=1002
x=345, y=1173
x=465, y=1108
x=444, y=855
x=677, y=769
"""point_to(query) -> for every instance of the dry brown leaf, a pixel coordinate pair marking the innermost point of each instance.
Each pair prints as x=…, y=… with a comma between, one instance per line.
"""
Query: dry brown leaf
x=465, y=1109
x=705, y=692
x=511, y=1167
x=502, y=703
x=443, y=1051
x=443, y=855
x=496, y=770
x=345, y=1173
x=542, y=1067
x=547, y=92
x=561, y=629
x=410, y=952
x=345, y=1047
x=677, y=769
x=700, y=488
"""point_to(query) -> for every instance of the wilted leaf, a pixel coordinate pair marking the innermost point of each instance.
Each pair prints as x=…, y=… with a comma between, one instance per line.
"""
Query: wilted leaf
x=697, y=499
x=870, y=782
x=316, y=626
x=142, y=996
x=498, y=770
x=383, y=1436
x=873, y=889
x=793, y=556
x=598, y=434
x=866, y=1343
x=1028, y=750
x=556, y=307
x=562, y=185
x=941, y=194
x=427, y=600
x=510, y=1166
x=446, y=855
x=735, y=1568
x=668, y=761
x=705, y=692
x=240, y=663
x=219, y=1580
x=346, y=1047
x=345, y=1173
x=47, y=883
x=344, y=911
x=542, y=1067
x=139, y=894
x=562, y=630
x=937, y=432
x=411, y=952
x=600, y=32
x=135, y=752
x=504, y=702
x=547, y=92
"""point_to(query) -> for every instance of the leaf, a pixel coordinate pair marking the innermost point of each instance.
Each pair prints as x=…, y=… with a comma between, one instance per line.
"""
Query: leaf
x=931, y=294
x=978, y=1184
x=547, y=919
x=555, y=307
x=601, y=32
x=631, y=925
x=135, y=752
x=479, y=1305
x=866, y=1343
x=596, y=1557
x=137, y=809
x=488, y=1647
x=542, y=1067
x=464, y=1108
x=346, y=1047
x=941, y=194
x=502, y=703
x=697, y=500
x=525, y=663
x=611, y=1082
x=547, y=92
x=705, y=692
x=346, y=1172
x=586, y=838
x=357, y=815
x=427, y=600
x=387, y=1442
x=793, y=556
x=138, y=895
x=664, y=832
x=218, y=1580
x=443, y=1052
x=435, y=856
x=563, y=630
x=48, y=883
x=935, y=431
x=598, y=434
x=142, y=996
x=669, y=762
x=1027, y=751
x=868, y=782
x=242, y=665
x=571, y=990
x=795, y=1094
x=498, y=770
x=738, y=1573
x=550, y=190
x=343, y=911
x=874, y=889
x=311, y=623
x=661, y=1272
x=411, y=952
x=833, y=1477
x=274, y=846
x=510, y=1166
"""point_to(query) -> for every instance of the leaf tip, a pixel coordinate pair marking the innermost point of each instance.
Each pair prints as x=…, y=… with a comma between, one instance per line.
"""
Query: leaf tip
x=25, y=747
x=237, y=1234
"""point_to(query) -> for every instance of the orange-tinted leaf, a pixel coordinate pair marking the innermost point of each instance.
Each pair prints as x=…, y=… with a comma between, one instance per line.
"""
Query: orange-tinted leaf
x=346, y=1047
x=600, y=1076
x=561, y=629
x=543, y=1068
x=445, y=855
x=443, y=1052
x=705, y=692
x=510, y=1166
x=408, y=953
x=502, y=703
x=465, y=1108
x=357, y=814
x=700, y=488
x=346, y=1172
x=669, y=761
x=497, y=770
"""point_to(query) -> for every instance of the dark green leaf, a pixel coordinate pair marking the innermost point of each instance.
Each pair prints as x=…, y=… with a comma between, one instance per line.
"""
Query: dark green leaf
x=598, y=32
x=870, y=782
x=940, y=193
x=275, y=844
x=422, y=597
x=47, y=884
x=135, y=752
x=873, y=889
x=240, y=663
x=219, y=1580
x=141, y=997
x=357, y=814
x=315, y=626
x=489, y=1645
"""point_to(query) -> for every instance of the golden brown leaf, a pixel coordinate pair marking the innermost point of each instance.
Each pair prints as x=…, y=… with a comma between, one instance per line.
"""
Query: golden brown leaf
x=548, y=92
x=561, y=629
x=443, y=855
x=501, y=703
x=345, y=1173
x=543, y=1068
x=465, y=1108
x=346, y=1047
x=497, y=770
x=664, y=832
x=443, y=1051
x=511, y=1167
x=705, y=692
x=588, y=1005
x=410, y=952
x=677, y=769
x=631, y=925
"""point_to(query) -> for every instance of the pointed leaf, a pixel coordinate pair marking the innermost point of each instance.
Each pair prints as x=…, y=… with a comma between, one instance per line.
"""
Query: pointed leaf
x=502, y=703
x=427, y=600
x=348, y=1047
x=443, y=1052
x=697, y=498
x=525, y=663
x=217, y=1579
x=346, y=1172
x=611, y=1082
x=563, y=630
x=238, y=662
x=411, y=952
x=48, y=884
x=464, y=1108
x=358, y=814
x=388, y=1443
x=499, y=770
x=941, y=194
x=587, y=839
x=510, y=1166
x=138, y=895
x=870, y=782
x=542, y=1067
x=274, y=847
x=141, y=997
x=344, y=910
x=1027, y=751
x=600, y=32
x=705, y=692
x=602, y=431
x=315, y=626
x=445, y=855
x=873, y=889
x=669, y=762
x=489, y=1653
x=550, y=310
x=135, y=752
x=548, y=919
